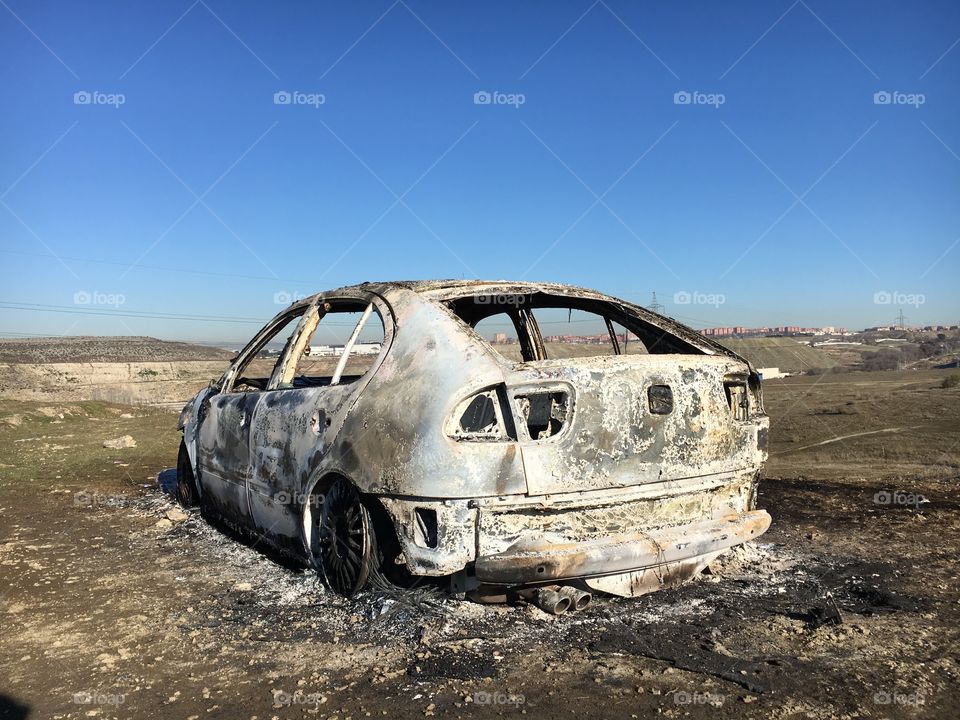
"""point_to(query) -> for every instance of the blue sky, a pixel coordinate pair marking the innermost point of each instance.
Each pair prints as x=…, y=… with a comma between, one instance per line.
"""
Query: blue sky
x=784, y=192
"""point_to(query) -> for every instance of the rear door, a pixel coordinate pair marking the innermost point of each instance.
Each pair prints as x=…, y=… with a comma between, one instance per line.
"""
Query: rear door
x=323, y=367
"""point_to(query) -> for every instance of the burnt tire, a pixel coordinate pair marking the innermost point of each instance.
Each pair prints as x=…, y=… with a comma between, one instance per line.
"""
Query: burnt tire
x=187, y=493
x=347, y=552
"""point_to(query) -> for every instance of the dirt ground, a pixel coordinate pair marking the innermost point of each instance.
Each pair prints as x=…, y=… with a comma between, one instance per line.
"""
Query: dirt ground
x=847, y=608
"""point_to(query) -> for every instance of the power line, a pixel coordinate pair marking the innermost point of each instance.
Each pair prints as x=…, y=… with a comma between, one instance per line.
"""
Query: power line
x=73, y=310
x=37, y=307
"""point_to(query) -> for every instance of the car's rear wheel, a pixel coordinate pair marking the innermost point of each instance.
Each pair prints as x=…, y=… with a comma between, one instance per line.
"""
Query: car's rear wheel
x=187, y=493
x=347, y=545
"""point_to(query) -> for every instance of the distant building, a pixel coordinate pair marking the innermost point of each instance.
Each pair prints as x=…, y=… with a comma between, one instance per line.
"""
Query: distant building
x=740, y=331
x=771, y=373
x=336, y=350
x=718, y=331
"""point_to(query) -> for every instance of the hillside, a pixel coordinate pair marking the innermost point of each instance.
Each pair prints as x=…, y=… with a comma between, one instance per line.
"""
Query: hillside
x=80, y=349
x=780, y=352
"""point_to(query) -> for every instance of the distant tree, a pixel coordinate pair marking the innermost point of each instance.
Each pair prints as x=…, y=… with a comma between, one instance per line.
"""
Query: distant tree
x=881, y=360
x=909, y=353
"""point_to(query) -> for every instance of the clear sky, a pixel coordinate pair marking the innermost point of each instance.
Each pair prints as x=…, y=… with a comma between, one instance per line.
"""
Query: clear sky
x=754, y=163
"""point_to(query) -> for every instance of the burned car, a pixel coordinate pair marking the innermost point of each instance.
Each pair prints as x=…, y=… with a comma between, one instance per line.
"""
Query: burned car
x=505, y=439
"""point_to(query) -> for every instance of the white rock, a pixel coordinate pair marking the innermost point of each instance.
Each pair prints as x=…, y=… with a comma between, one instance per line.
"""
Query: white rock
x=176, y=515
x=121, y=442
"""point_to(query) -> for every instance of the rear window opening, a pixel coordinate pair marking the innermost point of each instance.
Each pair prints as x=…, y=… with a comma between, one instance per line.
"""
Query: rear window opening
x=541, y=326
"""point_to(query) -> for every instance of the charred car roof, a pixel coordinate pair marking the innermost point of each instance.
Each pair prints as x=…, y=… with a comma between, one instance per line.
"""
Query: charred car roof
x=448, y=290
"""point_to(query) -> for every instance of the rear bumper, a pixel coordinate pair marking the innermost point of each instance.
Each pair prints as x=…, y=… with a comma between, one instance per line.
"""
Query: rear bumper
x=541, y=562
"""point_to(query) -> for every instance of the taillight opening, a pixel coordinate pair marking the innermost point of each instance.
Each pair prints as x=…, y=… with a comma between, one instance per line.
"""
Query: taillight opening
x=737, y=399
x=543, y=413
x=482, y=417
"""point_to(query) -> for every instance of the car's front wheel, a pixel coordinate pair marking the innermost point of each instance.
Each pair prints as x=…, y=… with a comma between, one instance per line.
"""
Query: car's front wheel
x=187, y=493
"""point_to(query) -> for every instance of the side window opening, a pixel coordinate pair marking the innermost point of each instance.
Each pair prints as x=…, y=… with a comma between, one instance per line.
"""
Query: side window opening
x=340, y=350
x=254, y=375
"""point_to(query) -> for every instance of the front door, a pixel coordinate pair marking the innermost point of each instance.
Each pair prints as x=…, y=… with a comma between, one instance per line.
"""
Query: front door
x=224, y=453
x=223, y=438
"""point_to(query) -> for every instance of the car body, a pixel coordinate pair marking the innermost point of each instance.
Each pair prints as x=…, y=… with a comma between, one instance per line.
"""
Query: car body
x=498, y=468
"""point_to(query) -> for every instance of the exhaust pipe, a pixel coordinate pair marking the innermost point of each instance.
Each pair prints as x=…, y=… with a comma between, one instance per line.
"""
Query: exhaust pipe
x=551, y=601
x=579, y=599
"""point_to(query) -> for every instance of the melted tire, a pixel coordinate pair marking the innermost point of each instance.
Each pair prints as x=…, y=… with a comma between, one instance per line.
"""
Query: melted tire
x=187, y=493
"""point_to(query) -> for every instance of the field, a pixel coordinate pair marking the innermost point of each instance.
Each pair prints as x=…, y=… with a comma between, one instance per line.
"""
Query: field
x=848, y=607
